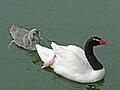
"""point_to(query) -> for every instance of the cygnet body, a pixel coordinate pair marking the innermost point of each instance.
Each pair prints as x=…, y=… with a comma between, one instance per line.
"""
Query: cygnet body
x=25, y=38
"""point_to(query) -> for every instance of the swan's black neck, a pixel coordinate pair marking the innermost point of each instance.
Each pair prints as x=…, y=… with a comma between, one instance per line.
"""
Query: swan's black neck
x=96, y=65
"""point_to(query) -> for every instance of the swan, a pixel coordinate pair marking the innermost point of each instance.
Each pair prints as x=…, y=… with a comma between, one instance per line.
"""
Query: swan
x=24, y=38
x=73, y=62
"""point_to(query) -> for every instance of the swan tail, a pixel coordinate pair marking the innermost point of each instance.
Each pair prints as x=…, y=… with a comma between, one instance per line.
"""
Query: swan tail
x=56, y=47
x=45, y=54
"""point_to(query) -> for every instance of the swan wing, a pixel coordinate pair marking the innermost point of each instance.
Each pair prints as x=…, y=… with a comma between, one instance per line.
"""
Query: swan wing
x=71, y=58
x=45, y=54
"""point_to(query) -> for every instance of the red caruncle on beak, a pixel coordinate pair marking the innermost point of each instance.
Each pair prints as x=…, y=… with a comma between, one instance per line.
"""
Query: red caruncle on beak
x=102, y=41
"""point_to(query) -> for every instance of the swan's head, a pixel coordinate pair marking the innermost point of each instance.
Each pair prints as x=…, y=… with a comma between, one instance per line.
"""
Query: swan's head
x=95, y=41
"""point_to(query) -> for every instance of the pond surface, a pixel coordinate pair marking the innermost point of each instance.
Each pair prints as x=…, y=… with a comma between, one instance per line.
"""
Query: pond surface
x=66, y=22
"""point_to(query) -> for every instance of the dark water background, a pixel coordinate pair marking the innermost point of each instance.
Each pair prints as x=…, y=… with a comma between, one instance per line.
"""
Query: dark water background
x=66, y=22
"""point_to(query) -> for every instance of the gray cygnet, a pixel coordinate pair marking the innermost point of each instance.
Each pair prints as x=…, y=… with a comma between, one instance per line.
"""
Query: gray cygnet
x=24, y=38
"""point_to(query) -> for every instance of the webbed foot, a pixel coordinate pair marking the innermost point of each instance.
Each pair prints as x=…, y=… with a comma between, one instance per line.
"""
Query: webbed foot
x=49, y=63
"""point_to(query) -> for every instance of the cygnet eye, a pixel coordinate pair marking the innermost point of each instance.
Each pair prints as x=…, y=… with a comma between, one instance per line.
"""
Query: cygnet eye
x=37, y=32
x=34, y=34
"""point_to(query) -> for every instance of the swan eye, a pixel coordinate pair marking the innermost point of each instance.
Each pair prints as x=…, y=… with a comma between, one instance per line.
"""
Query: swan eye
x=96, y=39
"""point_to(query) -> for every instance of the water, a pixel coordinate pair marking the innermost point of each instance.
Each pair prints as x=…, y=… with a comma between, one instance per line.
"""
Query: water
x=66, y=22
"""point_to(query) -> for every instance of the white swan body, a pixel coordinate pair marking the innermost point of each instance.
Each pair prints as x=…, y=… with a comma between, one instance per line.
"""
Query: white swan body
x=70, y=62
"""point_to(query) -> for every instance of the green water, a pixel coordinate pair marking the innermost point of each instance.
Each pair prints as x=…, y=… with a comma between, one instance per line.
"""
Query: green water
x=66, y=22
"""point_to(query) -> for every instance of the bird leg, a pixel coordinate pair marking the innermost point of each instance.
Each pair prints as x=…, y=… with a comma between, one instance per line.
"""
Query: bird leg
x=49, y=63
x=10, y=44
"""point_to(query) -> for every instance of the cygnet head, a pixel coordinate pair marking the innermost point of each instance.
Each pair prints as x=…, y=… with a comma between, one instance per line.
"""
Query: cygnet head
x=34, y=36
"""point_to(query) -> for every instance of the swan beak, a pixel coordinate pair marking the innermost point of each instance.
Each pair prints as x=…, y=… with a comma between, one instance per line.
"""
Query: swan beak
x=102, y=42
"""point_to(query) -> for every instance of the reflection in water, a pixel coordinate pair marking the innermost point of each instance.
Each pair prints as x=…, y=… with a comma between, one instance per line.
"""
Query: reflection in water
x=92, y=87
x=76, y=85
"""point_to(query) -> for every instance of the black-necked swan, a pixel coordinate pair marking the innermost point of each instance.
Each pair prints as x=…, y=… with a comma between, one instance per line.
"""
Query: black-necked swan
x=25, y=38
x=73, y=62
